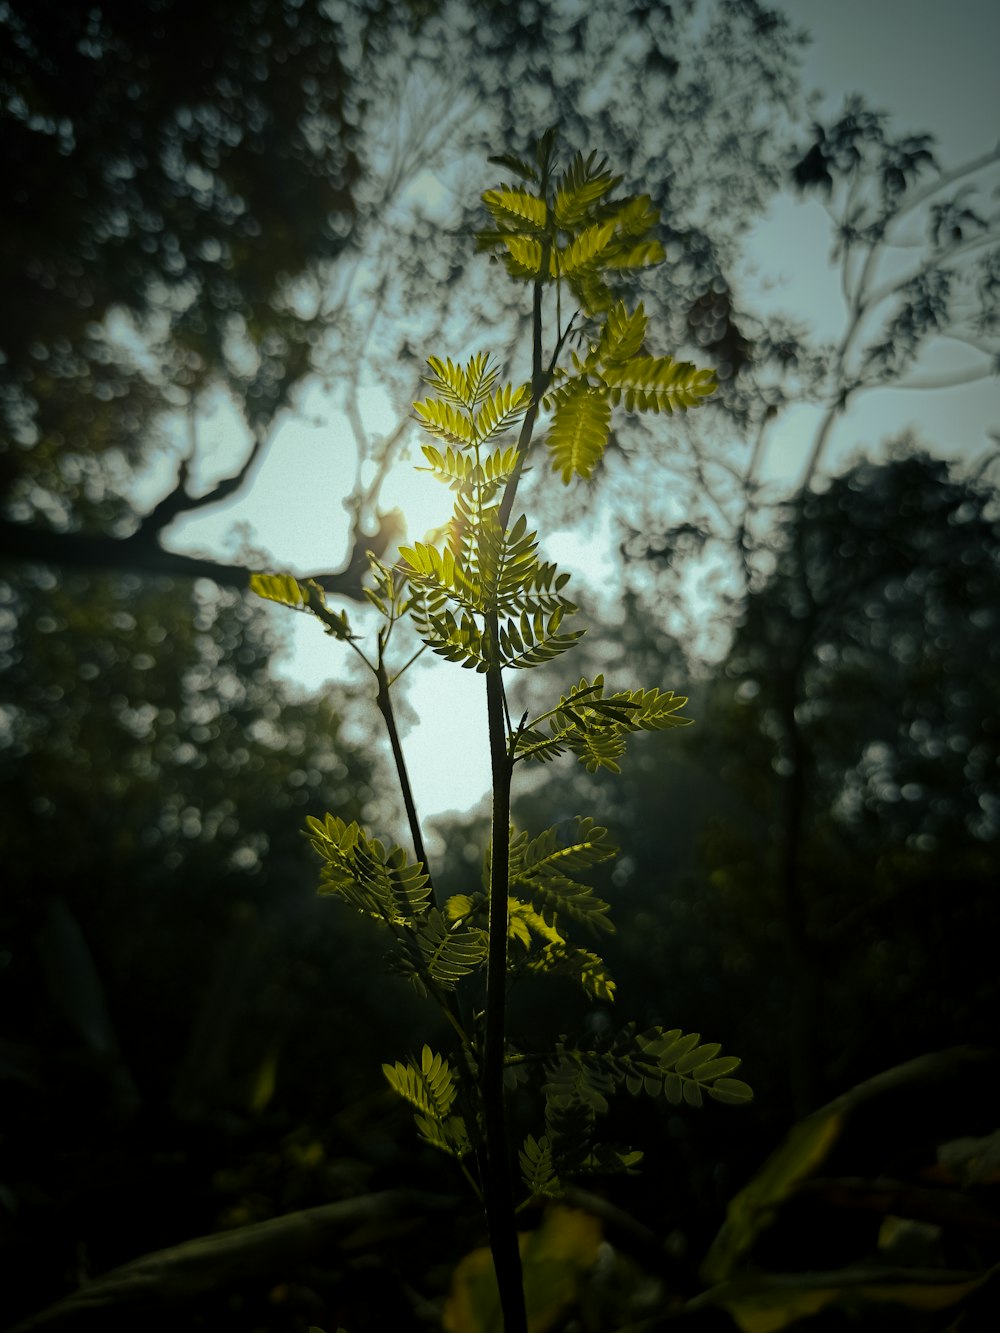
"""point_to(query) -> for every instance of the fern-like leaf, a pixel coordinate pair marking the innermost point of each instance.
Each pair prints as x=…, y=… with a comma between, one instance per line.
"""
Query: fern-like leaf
x=622, y=335
x=658, y=384
x=280, y=588
x=525, y=923
x=582, y=186
x=500, y=411
x=510, y=206
x=537, y=1169
x=577, y=1077
x=464, y=386
x=677, y=1066
x=594, y=726
x=580, y=965
x=523, y=257
x=445, y=952
x=450, y=1136
x=444, y=420
x=308, y=596
x=580, y=428
x=429, y=1086
x=544, y=868
x=586, y=250
x=531, y=640
x=382, y=884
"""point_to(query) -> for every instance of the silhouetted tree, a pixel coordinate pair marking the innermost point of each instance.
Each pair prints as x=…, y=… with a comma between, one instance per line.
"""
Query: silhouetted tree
x=235, y=200
x=167, y=974
x=856, y=721
x=928, y=323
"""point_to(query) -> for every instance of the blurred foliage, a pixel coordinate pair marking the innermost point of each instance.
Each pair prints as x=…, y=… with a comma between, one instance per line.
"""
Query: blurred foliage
x=177, y=163
x=194, y=1018
x=230, y=202
x=856, y=724
x=871, y=1210
x=241, y=196
x=171, y=982
x=829, y=897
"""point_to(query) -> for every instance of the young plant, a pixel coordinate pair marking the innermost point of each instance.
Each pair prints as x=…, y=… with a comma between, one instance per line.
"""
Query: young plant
x=484, y=599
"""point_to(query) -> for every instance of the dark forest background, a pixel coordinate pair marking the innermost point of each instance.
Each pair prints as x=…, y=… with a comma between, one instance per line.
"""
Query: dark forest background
x=190, y=1040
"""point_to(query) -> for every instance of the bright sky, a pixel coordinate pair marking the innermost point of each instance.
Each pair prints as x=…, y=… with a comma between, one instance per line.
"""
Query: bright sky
x=934, y=68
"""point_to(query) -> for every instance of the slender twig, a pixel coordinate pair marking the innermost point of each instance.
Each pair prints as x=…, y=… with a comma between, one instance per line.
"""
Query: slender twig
x=406, y=665
x=383, y=701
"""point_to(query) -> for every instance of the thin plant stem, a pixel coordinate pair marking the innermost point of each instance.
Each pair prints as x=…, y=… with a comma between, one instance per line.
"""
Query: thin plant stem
x=383, y=701
x=501, y=1216
x=499, y=1186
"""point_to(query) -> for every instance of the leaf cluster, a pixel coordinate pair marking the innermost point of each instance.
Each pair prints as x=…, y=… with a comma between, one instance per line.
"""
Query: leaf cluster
x=615, y=370
x=431, y=1088
x=594, y=727
x=570, y=230
x=580, y=1080
x=545, y=895
x=569, y=227
x=308, y=596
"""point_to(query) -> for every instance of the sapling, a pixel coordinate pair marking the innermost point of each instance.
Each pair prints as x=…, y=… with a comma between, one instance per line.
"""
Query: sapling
x=484, y=599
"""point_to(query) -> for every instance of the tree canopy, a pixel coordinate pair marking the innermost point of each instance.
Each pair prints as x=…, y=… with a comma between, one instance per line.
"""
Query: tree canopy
x=239, y=199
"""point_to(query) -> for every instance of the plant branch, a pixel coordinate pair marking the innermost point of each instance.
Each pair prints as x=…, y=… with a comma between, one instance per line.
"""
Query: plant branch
x=383, y=701
x=500, y=1213
x=499, y=1184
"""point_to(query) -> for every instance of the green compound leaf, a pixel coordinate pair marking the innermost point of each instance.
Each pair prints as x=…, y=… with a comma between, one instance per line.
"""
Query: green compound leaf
x=532, y=640
x=450, y=1136
x=537, y=1169
x=517, y=207
x=280, y=588
x=580, y=428
x=577, y=1078
x=640, y=254
x=443, y=952
x=675, y=1065
x=544, y=868
x=382, y=884
x=658, y=384
x=594, y=726
x=583, y=185
x=467, y=411
x=484, y=570
x=456, y=639
x=580, y=965
x=622, y=336
x=306, y=596
x=388, y=595
x=524, y=924
x=524, y=256
x=466, y=386
x=453, y=468
x=429, y=1086
x=585, y=250
x=444, y=420
x=500, y=412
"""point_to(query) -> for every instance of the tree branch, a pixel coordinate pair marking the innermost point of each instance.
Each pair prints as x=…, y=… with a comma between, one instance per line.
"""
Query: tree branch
x=140, y=553
x=180, y=502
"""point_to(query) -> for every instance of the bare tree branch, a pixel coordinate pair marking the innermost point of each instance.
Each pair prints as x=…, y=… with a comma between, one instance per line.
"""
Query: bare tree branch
x=141, y=554
x=179, y=501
